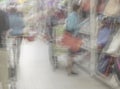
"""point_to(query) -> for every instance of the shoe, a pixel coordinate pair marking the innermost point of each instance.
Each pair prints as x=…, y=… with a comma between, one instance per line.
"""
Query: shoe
x=73, y=73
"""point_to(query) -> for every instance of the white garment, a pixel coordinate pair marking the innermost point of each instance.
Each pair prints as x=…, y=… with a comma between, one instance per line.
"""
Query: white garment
x=112, y=8
x=115, y=45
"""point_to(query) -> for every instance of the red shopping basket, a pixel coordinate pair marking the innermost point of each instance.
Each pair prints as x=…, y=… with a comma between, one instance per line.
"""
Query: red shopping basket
x=31, y=38
x=71, y=42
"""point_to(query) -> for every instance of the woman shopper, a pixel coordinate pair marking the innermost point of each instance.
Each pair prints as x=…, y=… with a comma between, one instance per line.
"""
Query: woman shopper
x=16, y=27
x=72, y=26
x=51, y=21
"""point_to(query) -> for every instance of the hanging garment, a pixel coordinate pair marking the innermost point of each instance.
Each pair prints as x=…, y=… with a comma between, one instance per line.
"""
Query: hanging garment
x=109, y=68
x=115, y=45
x=86, y=5
x=103, y=35
x=112, y=8
x=117, y=67
x=102, y=65
x=105, y=65
x=100, y=6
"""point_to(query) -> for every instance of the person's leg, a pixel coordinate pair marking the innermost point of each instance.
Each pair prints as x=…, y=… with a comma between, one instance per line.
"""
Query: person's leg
x=18, y=44
x=70, y=64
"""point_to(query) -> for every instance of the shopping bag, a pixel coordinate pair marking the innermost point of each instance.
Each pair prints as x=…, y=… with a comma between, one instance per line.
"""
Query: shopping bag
x=31, y=35
x=30, y=38
x=73, y=43
x=112, y=8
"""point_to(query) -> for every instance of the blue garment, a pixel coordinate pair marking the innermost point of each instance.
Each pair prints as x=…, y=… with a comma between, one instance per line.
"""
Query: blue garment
x=103, y=63
x=16, y=24
x=103, y=36
x=73, y=21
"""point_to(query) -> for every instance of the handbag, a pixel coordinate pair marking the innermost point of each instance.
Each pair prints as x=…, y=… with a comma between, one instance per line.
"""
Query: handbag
x=30, y=38
x=112, y=8
x=71, y=42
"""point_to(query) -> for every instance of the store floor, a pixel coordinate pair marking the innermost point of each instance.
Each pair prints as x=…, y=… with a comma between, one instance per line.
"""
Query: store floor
x=35, y=71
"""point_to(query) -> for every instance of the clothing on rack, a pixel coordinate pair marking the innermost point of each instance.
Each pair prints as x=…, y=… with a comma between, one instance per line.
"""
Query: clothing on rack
x=101, y=6
x=117, y=67
x=115, y=45
x=105, y=65
x=103, y=35
x=112, y=8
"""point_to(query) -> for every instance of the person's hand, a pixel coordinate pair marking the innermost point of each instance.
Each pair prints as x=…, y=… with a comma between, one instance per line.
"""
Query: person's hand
x=7, y=32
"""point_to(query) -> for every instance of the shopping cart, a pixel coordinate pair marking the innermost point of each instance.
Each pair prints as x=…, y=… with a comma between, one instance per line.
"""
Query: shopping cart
x=55, y=47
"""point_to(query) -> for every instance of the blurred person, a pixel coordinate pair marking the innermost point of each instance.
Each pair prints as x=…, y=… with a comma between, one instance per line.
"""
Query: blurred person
x=16, y=24
x=61, y=13
x=85, y=8
x=51, y=21
x=4, y=25
x=72, y=26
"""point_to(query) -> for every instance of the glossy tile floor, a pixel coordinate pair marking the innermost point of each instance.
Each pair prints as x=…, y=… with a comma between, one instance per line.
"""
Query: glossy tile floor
x=35, y=71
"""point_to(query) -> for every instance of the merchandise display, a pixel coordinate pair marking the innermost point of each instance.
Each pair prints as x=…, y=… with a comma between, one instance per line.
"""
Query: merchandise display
x=112, y=8
x=95, y=44
x=108, y=45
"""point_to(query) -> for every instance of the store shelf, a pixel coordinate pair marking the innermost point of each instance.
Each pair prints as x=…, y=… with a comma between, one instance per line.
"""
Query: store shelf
x=85, y=27
x=108, y=81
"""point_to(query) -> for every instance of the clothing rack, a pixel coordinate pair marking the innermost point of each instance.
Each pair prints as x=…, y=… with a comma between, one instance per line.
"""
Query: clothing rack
x=111, y=82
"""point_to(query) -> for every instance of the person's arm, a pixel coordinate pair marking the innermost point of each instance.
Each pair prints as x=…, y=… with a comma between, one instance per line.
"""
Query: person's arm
x=4, y=22
x=7, y=26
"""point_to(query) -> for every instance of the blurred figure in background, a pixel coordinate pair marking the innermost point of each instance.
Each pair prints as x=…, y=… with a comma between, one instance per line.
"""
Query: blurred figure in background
x=51, y=21
x=60, y=12
x=16, y=21
x=16, y=27
x=4, y=25
x=72, y=27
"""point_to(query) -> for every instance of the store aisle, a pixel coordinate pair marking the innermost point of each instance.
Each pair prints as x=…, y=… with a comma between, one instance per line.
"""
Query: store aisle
x=35, y=71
